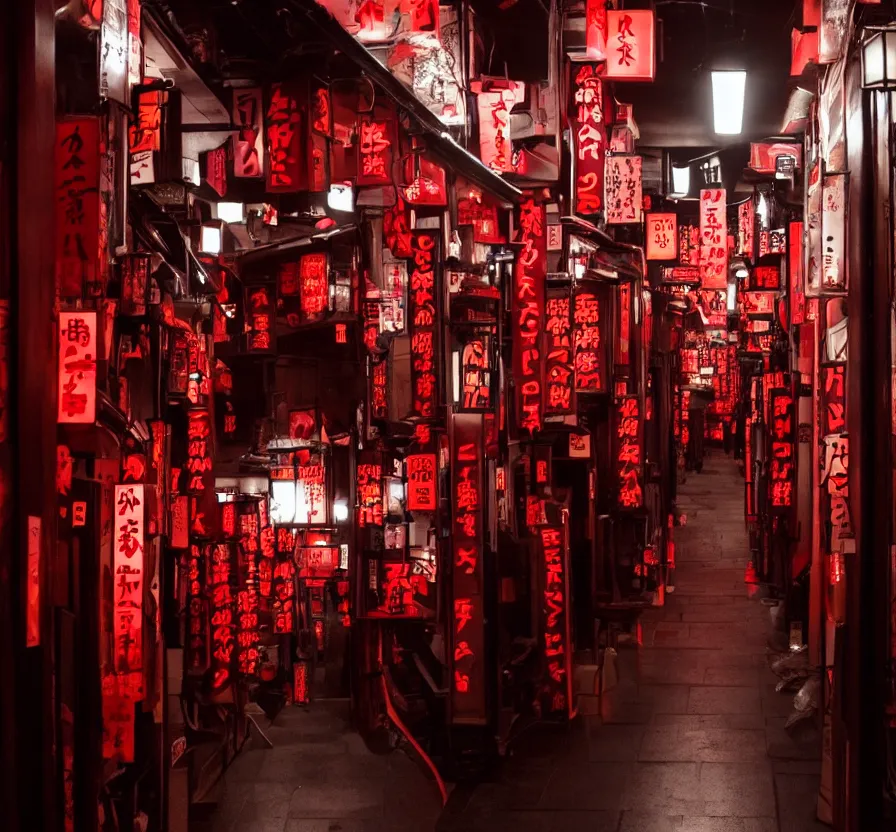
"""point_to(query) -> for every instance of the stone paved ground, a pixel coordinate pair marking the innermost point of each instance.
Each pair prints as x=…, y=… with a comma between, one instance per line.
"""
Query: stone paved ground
x=692, y=739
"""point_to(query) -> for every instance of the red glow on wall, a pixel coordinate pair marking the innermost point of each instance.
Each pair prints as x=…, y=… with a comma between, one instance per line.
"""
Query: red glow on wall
x=713, y=233
x=468, y=682
x=630, y=45
x=423, y=313
x=528, y=315
x=590, y=139
x=556, y=644
x=588, y=348
x=630, y=455
x=559, y=377
x=422, y=482
x=783, y=465
x=285, y=170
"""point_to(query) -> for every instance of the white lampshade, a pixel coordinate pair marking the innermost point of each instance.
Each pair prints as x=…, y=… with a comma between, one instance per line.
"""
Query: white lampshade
x=728, y=89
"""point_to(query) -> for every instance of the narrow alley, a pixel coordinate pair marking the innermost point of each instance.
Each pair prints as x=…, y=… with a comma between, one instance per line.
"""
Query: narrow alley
x=692, y=738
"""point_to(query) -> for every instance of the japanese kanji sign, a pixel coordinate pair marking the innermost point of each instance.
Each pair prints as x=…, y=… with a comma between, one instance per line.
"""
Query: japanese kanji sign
x=623, y=189
x=370, y=490
x=285, y=171
x=833, y=232
x=662, y=236
x=248, y=144
x=630, y=45
x=494, y=125
x=588, y=120
x=129, y=588
x=423, y=305
x=468, y=704
x=528, y=315
x=559, y=373
x=782, y=474
x=422, y=482
x=588, y=348
x=795, y=271
x=556, y=646
x=78, y=345
x=746, y=228
x=629, y=453
x=219, y=558
x=713, y=239
x=260, y=311
x=833, y=396
x=375, y=149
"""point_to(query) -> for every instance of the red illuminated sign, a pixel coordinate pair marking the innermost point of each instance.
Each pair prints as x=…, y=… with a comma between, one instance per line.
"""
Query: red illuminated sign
x=476, y=375
x=248, y=144
x=623, y=189
x=630, y=455
x=795, y=273
x=196, y=654
x=80, y=229
x=590, y=139
x=713, y=239
x=559, y=378
x=375, y=150
x=370, y=491
x=588, y=348
x=528, y=315
x=379, y=388
x=468, y=680
x=689, y=245
x=129, y=586
x=423, y=307
x=662, y=236
x=317, y=561
x=78, y=347
x=495, y=105
x=783, y=464
x=423, y=15
x=766, y=277
x=422, y=482
x=321, y=113
x=834, y=397
x=283, y=594
x=311, y=490
x=223, y=632
x=630, y=45
x=314, y=285
x=283, y=125
x=260, y=312
x=557, y=645
x=250, y=588
x=596, y=30
x=746, y=228
x=396, y=231
x=198, y=467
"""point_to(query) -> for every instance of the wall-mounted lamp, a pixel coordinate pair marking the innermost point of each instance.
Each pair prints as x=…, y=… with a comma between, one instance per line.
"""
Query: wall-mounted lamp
x=728, y=90
x=230, y=211
x=210, y=238
x=681, y=182
x=879, y=60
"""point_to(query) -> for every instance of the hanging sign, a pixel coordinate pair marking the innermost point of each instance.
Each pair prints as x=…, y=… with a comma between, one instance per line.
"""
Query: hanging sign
x=375, y=148
x=558, y=348
x=198, y=468
x=629, y=458
x=78, y=347
x=468, y=703
x=813, y=252
x=285, y=169
x=623, y=190
x=314, y=285
x=833, y=233
x=833, y=386
x=248, y=143
x=494, y=124
x=680, y=275
x=795, y=273
x=423, y=307
x=557, y=643
x=248, y=597
x=476, y=375
x=765, y=277
x=129, y=588
x=713, y=239
x=759, y=303
x=223, y=618
x=422, y=482
x=588, y=348
x=631, y=45
x=746, y=228
x=196, y=654
x=596, y=30
x=370, y=490
x=311, y=491
x=590, y=140
x=379, y=387
x=783, y=464
x=79, y=225
x=260, y=316
x=689, y=245
x=529, y=274
x=662, y=237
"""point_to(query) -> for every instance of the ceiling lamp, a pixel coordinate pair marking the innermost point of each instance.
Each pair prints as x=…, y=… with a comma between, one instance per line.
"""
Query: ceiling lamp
x=681, y=182
x=728, y=88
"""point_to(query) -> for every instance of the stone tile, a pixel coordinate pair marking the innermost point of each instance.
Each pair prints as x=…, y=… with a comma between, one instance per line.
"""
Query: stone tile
x=704, y=746
x=729, y=824
x=797, y=800
x=669, y=788
x=614, y=743
x=592, y=787
x=694, y=722
x=737, y=789
x=649, y=822
x=343, y=800
x=731, y=676
x=724, y=700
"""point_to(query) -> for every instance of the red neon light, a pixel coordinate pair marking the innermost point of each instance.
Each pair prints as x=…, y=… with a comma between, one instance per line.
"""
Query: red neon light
x=556, y=619
x=283, y=124
x=396, y=230
x=423, y=306
x=783, y=464
x=590, y=140
x=370, y=492
x=248, y=144
x=589, y=363
x=629, y=459
x=596, y=30
x=128, y=604
x=314, y=284
x=528, y=315
x=260, y=311
x=833, y=394
x=375, y=153
x=559, y=377
x=197, y=647
x=422, y=482
x=713, y=232
x=78, y=353
x=766, y=277
x=379, y=388
x=283, y=606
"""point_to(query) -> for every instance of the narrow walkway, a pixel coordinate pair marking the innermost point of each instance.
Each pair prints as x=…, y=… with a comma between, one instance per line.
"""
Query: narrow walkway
x=692, y=739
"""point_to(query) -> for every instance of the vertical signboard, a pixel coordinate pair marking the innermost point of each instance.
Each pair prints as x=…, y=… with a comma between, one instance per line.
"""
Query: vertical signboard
x=746, y=228
x=631, y=48
x=783, y=464
x=494, y=126
x=662, y=236
x=529, y=274
x=285, y=169
x=813, y=245
x=555, y=562
x=713, y=239
x=623, y=190
x=559, y=375
x=588, y=348
x=375, y=148
x=468, y=705
x=833, y=233
x=129, y=588
x=833, y=395
x=629, y=453
x=423, y=305
x=78, y=345
x=32, y=624
x=596, y=30
x=219, y=558
x=248, y=143
x=795, y=273
x=590, y=140
x=422, y=482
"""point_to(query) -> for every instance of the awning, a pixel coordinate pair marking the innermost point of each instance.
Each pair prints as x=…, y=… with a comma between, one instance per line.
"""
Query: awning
x=439, y=141
x=620, y=261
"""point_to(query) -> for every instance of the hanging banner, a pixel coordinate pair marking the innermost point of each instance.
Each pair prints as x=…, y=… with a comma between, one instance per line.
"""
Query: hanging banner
x=662, y=237
x=631, y=48
x=468, y=684
x=529, y=275
x=713, y=239
x=833, y=233
x=200, y=478
x=78, y=348
x=795, y=273
x=285, y=169
x=559, y=374
x=588, y=346
x=129, y=588
x=494, y=123
x=590, y=140
x=783, y=464
x=596, y=30
x=219, y=558
x=248, y=143
x=629, y=453
x=557, y=644
x=623, y=190
x=376, y=144
x=422, y=482
x=423, y=306
x=80, y=229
